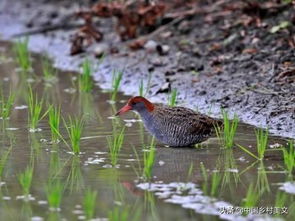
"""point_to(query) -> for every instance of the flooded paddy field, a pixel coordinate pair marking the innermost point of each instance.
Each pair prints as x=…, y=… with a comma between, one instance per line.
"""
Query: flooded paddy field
x=117, y=172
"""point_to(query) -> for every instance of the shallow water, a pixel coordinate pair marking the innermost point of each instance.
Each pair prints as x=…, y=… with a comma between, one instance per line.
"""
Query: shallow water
x=178, y=189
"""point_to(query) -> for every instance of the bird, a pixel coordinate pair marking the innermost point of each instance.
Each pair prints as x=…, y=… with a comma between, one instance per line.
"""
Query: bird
x=173, y=126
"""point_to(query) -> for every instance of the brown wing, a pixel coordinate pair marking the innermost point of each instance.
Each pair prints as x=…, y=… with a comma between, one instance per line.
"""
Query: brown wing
x=195, y=123
x=202, y=124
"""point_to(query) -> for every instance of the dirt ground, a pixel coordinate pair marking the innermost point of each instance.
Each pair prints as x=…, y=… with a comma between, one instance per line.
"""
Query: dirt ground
x=228, y=54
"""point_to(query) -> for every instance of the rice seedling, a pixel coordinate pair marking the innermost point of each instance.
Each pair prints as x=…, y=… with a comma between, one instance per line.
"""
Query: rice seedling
x=280, y=200
x=118, y=214
x=173, y=98
x=215, y=182
x=3, y=159
x=74, y=127
x=227, y=133
x=140, y=89
x=54, y=122
x=262, y=183
x=290, y=209
x=137, y=168
x=210, y=188
x=205, y=178
x=190, y=172
x=53, y=216
x=118, y=188
x=89, y=202
x=115, y=143
x=251, y=198
x=87, y=107
x=150, y=205
x=124, y=214
x=35, y=109
x=116, y=81
x=23, y=56
x=248, y=151
x=6, y=105
x=25, y=180
x=289, y=156
x=261, y=142
x=141, y=132
x=85, y=79
x=149, y=160
x=231, y=175
x=35, y=146
x=25, y=211
x=75, y=180
x=49, y=72
x=54, y=191
x=55, y=166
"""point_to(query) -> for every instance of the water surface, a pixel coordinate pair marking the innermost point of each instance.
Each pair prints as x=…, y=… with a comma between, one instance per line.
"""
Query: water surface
x=177, y=177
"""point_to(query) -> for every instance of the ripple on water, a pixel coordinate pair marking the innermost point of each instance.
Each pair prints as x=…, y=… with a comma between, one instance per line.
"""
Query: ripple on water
x=21, y=107
x=25, y=198
x=37, y=218
x=92, y=160
x=288, y=187
x=188, y=195
x=12, y=128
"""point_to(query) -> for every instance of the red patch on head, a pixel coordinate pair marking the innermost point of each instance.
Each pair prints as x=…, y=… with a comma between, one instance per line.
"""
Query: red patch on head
x=149, y=106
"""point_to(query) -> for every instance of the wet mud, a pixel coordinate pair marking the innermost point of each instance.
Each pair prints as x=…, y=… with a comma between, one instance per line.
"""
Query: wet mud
x=211, y=63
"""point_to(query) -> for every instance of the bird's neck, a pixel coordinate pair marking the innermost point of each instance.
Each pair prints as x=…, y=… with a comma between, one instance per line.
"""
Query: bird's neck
x=145, y=114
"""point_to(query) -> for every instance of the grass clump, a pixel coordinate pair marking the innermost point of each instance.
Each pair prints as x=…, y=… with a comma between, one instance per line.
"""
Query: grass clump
x=261, y=142
x=149, y=160
x=85, y=79
x=289, y=157
x=173, y=98
x=54, y=122
x=116, y=81
x=54, y=191
x=89, y=202
x=74, y=128
x=6, y=105
x=25, y=180
x=115, y=144
x=23, y=56
x=35, y=109
x=227, y=133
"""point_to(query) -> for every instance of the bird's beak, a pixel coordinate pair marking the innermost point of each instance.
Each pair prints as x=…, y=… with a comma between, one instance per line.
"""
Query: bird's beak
x=124, y=109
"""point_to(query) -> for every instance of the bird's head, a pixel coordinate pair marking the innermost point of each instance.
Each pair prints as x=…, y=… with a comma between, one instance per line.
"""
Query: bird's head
x=138, y=104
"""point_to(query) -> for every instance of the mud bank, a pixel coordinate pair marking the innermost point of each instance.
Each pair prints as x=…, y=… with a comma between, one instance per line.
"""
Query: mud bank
x=214, y=62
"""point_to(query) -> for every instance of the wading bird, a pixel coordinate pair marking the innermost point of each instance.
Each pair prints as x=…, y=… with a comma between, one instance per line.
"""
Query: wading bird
x=173, y=126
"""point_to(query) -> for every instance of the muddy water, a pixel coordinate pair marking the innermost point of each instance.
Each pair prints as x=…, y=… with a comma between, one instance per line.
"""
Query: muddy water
x=178, y=187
